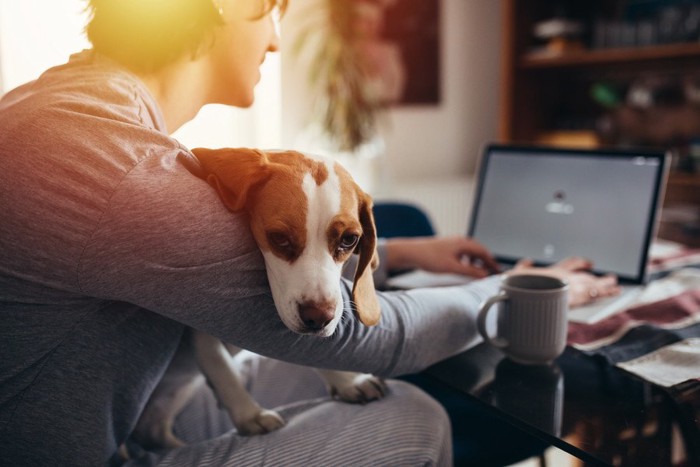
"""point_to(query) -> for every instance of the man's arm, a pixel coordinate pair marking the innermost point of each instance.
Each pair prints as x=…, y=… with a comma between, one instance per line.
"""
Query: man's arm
x=168, y=245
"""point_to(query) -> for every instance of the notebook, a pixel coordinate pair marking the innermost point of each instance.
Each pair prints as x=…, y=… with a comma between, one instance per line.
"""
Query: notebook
x=550, y=203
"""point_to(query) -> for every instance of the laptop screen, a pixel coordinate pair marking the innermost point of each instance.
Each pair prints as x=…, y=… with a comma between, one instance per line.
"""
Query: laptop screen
x=547, y=204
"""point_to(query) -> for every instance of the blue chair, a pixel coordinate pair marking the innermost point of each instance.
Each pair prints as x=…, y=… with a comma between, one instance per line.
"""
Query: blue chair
x=399, y=219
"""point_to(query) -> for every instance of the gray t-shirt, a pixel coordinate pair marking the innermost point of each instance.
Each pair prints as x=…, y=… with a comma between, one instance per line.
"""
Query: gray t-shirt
x=109, y=247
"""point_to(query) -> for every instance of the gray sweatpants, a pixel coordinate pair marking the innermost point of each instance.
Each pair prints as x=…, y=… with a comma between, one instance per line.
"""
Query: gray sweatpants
x=405, y=428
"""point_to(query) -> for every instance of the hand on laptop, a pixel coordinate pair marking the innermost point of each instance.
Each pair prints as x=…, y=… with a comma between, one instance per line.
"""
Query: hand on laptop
x=584, y=287
x=457, y=255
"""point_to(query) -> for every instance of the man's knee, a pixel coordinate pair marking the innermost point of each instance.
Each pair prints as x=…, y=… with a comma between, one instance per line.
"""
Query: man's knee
x=422, y=425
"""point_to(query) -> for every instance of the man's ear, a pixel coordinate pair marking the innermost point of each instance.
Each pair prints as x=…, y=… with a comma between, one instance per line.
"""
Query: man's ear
x=233, y=172
x=364, y=295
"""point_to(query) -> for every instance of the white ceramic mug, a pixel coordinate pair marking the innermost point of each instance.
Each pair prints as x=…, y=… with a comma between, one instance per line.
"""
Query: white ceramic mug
x=532, y=318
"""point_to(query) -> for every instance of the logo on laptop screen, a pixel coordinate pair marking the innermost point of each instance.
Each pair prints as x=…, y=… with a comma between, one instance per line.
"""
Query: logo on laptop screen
x=559, y=204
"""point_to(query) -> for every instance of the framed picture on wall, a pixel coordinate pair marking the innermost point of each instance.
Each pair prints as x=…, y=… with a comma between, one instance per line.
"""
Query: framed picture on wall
x=413, y=26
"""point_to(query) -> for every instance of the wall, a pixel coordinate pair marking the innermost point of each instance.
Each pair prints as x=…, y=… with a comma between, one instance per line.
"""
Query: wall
x=424, y=142
x=36, y=34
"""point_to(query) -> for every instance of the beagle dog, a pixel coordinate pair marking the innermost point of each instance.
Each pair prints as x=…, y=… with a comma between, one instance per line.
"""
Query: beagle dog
x=308, y=217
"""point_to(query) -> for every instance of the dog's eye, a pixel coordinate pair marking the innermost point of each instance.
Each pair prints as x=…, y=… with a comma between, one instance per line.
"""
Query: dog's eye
x=348, y=241
x=284, y=245
x=279, y=240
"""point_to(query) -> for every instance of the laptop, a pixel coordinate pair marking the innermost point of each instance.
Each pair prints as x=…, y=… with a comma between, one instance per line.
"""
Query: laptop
x=549, y=203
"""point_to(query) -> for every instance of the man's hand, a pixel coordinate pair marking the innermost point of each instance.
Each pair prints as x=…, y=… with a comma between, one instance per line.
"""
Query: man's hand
x=584, y=287
x=457, y=255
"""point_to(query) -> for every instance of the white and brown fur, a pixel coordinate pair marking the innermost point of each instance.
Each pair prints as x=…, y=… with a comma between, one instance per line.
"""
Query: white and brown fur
x=308, y=217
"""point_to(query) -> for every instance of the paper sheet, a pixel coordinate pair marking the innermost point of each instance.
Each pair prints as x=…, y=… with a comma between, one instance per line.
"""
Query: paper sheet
x=669, y=365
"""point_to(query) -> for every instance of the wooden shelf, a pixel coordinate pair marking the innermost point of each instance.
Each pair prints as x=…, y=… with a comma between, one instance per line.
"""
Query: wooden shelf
x=686, y=179
x=683, y=188
x=617, y=56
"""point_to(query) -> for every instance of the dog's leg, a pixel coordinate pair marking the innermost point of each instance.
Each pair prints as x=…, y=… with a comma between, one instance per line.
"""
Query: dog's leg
x=353, y=387
x=247, y=416
x=177, y=386
x=155, y=426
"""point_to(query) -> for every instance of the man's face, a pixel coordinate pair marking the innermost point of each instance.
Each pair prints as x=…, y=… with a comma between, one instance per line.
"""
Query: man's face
x=240, y=46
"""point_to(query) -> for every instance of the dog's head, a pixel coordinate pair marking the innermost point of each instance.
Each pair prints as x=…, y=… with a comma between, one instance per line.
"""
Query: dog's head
x=307, y=216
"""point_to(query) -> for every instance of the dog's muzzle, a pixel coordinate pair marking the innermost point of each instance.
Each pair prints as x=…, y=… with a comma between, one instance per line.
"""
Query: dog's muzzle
x=316, y=315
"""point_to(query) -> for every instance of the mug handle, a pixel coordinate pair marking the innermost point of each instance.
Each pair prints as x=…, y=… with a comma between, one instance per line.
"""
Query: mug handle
x=481, y=320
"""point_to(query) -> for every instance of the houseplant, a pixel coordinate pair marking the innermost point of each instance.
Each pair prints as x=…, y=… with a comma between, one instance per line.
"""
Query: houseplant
x=356, y=72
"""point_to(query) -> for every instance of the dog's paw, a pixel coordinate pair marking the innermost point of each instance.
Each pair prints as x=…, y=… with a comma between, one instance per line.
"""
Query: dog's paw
x=361, y=388
x=263, y=421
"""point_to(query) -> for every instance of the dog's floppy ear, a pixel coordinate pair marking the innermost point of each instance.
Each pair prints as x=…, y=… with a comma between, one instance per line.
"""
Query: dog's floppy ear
x=233, y=172
x=363, y=292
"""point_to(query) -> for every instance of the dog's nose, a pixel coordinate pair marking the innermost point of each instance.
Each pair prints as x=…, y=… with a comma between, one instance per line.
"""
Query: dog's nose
x=316, y=316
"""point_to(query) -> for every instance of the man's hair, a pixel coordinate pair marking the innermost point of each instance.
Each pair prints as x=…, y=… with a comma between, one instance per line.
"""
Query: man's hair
x=146, y=35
